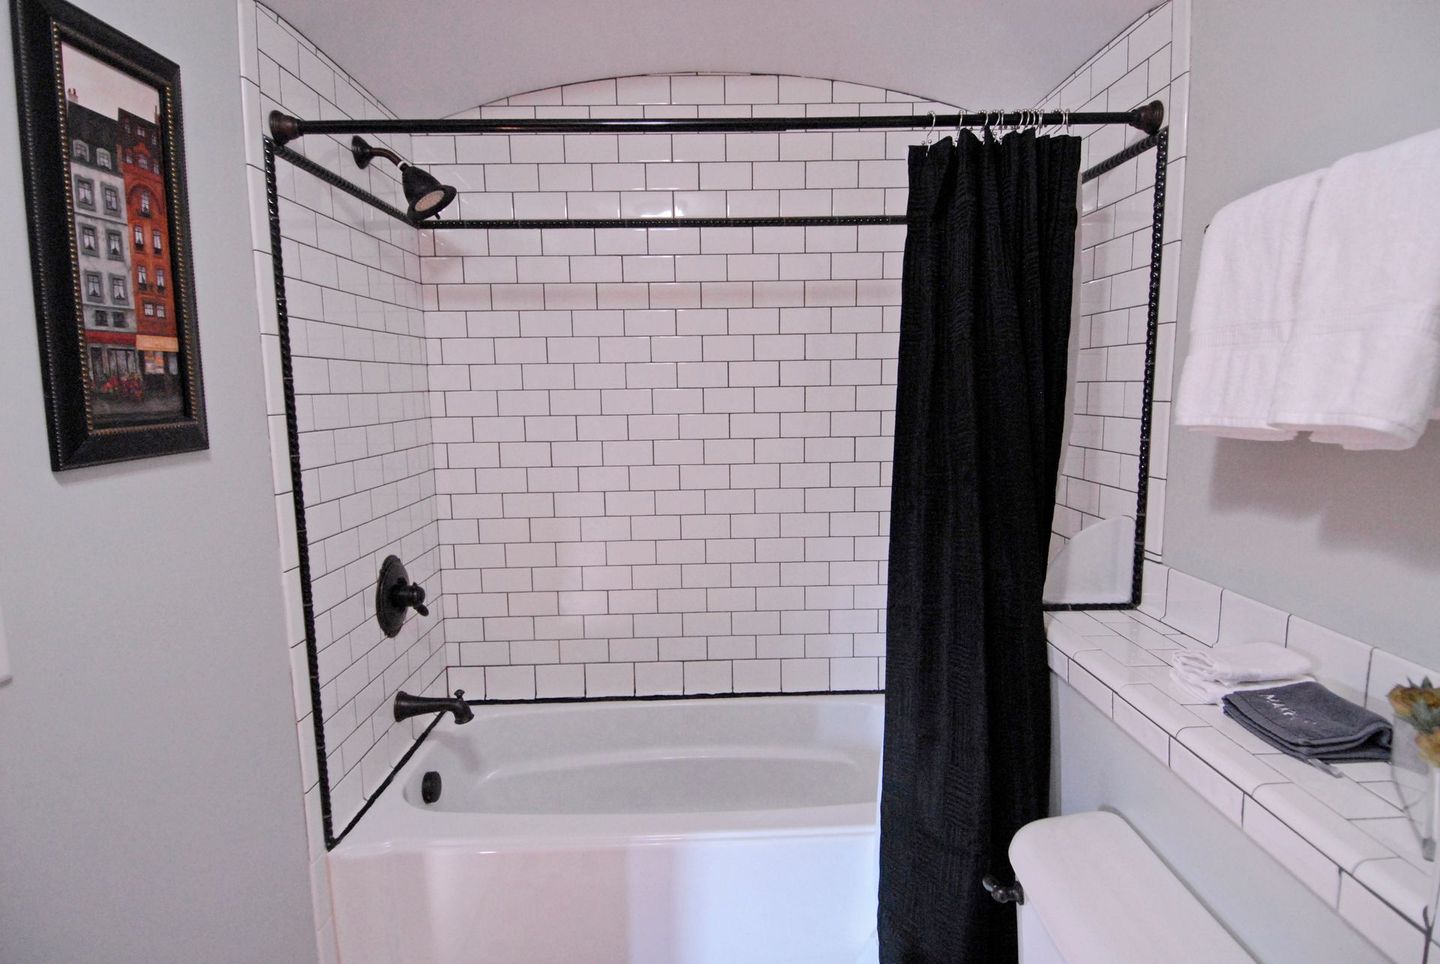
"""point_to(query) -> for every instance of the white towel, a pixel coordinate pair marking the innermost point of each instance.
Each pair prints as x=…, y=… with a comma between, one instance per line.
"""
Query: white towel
x=1245, y=663
x=1362, y=366
x=1244, y=311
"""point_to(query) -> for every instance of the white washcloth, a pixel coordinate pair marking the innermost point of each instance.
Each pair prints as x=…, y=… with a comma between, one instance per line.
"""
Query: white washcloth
x=1245, y=663
x=1210, y=691
x=1362, y=366
x=1211, y=673
x=1244, y=311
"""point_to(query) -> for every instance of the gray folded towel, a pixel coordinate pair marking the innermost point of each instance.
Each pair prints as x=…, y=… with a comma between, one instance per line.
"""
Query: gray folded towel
x=1308, y=721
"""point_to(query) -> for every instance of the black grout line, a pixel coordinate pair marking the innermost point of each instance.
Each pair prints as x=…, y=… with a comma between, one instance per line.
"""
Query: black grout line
x=418, y=447
x=390, y=777
x=380, y=710
x=338, y=634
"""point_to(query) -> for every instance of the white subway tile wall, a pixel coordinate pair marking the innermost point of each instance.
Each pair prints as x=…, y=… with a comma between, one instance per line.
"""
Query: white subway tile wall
x=1100, y=467
x=662, y=456
x=357, y=334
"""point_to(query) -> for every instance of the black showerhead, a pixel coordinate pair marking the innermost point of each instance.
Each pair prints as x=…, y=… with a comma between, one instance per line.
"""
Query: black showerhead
x=427, y=196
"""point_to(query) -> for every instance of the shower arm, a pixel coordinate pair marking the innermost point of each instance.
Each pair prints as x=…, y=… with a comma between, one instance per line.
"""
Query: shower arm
x=386, y=153
x=287, y=127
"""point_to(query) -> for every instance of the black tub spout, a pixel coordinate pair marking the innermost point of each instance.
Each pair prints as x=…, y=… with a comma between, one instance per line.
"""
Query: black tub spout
x=407, y=706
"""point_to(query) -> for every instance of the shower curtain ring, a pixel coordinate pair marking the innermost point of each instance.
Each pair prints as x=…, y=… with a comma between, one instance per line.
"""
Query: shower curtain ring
x=930, y=134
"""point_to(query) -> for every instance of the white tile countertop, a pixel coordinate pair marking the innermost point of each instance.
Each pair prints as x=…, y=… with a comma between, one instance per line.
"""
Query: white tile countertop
x=1345, y=838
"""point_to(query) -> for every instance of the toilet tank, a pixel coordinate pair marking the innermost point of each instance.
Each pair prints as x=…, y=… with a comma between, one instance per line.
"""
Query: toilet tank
x=1096, y=894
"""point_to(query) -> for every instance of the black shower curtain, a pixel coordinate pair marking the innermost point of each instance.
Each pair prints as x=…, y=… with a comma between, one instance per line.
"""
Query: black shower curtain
x=984, y=326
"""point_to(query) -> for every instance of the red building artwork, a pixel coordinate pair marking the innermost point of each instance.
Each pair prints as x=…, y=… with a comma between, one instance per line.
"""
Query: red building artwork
x=149, y=242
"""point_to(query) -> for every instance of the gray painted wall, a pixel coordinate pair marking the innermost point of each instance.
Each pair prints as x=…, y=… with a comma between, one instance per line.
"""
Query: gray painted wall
x=1350, y=540
x=1100, y=767
x=149, y=784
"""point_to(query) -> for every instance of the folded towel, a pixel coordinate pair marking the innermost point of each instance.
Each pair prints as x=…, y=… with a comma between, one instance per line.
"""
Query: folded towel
x=1307, y=721
x=1245, y=663
x=1214, y=692
x=1244, y=310
x=1362, y=365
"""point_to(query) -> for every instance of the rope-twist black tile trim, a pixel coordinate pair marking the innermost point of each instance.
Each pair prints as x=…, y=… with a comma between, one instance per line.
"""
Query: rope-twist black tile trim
x=1152, y=334
x=335, y=180
x=1160, y=141
x=1121, y=156
x=292, y=434
x=808, y=221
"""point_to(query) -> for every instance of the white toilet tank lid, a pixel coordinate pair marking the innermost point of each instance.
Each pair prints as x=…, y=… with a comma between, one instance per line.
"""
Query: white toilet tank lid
x=1105, y=897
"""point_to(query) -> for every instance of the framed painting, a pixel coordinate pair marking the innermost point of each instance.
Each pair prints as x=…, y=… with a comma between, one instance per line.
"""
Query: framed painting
x=101, y=139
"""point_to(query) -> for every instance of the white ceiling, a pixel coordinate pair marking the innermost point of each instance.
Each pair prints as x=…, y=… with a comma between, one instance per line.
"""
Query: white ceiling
x=431, y=58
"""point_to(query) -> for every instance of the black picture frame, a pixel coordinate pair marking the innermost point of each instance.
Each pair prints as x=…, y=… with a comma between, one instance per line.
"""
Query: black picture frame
x=119, y=344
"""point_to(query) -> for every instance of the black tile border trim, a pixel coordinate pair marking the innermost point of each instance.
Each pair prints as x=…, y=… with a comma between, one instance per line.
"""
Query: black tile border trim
x=653, y=697
x=389, y=778
x=1161, y=142
x=1152, y=337
x=297, y=493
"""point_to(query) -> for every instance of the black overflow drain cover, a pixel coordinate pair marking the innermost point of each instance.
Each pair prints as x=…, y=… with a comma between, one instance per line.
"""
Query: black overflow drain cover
x=430, y=786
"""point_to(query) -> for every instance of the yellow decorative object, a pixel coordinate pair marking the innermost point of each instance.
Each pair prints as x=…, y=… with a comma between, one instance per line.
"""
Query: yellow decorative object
x=1429, y=744
x=1402, y=700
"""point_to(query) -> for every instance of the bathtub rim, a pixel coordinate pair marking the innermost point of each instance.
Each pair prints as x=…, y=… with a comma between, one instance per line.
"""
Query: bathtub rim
x=391, y=824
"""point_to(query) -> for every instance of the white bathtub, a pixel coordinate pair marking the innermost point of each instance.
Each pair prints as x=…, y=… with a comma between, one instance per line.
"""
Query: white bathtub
x=716, y=831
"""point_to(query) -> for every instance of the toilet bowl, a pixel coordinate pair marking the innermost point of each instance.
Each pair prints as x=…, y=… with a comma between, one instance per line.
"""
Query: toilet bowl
x=1094, y=893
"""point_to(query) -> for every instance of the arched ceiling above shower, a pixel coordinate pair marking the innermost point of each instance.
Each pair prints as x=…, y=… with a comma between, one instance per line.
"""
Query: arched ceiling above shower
x=449, y=55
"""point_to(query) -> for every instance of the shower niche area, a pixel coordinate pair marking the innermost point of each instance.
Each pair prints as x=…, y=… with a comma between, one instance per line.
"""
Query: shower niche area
x=646, y=455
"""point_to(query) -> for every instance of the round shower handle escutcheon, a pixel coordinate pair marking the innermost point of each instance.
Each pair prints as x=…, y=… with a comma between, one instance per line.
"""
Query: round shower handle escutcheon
x=395, y=594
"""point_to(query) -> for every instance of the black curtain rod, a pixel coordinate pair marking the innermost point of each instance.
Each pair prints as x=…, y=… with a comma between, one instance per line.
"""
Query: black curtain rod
x=286, y=127
x=356, y=191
